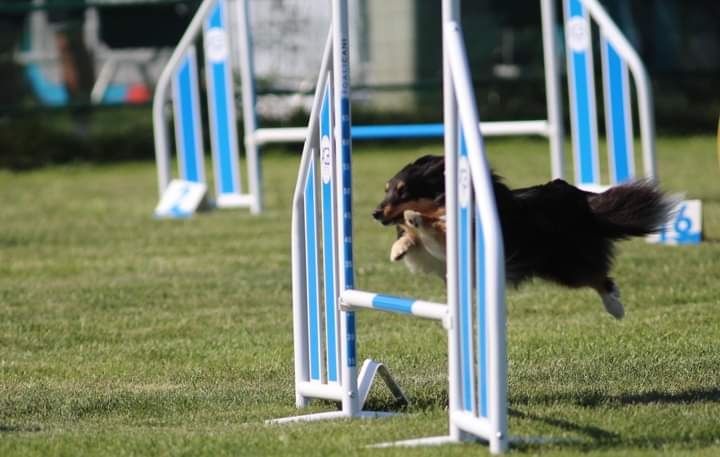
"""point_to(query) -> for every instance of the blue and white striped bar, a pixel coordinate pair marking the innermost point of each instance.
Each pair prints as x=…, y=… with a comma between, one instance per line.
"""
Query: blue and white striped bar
x=618, y=115
x=327, y=191
x=221, y=109
x=188, y=125
x=356, y=299
x=583, y=117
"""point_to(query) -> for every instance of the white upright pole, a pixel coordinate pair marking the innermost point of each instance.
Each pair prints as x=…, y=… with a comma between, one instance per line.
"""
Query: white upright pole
x=493, y=241
x=248, y=104
x=451, y=12
x=552, y=89
x=341, y=86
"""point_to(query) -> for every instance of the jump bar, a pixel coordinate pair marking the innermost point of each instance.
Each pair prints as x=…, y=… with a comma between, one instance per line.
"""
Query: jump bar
x=358, y=299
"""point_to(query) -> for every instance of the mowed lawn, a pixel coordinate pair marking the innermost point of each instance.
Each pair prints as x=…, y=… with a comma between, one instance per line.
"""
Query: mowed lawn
x=123, y=335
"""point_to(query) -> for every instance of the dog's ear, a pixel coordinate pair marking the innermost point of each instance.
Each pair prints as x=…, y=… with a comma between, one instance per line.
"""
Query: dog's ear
x=440, y=199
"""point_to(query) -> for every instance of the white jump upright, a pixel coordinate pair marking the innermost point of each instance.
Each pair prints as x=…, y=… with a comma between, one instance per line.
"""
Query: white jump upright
x=324, y=297
x=181, y=72
x=617, y=57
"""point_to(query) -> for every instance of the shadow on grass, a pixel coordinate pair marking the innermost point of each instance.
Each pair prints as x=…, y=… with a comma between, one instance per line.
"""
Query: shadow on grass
x=592, y=437
x=4, y=428
x=594, y=399
x=597, y=434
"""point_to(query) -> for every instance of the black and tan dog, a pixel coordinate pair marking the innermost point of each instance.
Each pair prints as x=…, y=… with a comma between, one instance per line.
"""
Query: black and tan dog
x=553, y=231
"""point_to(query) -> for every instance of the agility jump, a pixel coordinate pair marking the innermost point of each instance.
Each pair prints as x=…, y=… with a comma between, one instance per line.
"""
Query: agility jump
x=324, y=297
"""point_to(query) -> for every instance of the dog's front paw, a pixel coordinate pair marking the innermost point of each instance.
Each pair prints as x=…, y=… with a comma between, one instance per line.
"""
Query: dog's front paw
x=400, y=247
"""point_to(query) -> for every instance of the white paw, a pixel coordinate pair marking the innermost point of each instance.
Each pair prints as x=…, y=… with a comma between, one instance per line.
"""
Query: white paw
x=412, y=218
x=400, y=247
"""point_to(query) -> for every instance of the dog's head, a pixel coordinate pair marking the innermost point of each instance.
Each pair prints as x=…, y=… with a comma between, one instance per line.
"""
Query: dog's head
x=419, y=186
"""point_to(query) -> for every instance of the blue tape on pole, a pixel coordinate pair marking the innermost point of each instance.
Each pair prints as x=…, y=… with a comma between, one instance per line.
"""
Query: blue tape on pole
x=311, y=268
x=465, y=275
x=399, y=131
x=393, y=304
x=187, y=119
x=347, y=192
x=582, y=93
x=481, y=316
x=619, y=119
x=328, y=218
x=221, y=102
x=347, y=242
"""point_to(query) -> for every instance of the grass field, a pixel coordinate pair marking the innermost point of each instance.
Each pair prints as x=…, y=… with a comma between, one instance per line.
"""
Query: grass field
x=122, y=335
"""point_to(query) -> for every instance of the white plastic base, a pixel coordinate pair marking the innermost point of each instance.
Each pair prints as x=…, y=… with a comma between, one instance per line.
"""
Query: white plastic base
x=419, y=442
x=234, y=200
x=331, y=415
x=369, y=370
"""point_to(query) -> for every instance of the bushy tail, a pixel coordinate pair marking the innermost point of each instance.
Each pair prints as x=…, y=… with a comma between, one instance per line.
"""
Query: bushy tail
x=633, y=209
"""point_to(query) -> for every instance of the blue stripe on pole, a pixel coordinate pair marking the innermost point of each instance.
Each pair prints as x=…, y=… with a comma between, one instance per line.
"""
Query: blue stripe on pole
x=349, y=276
x=220, y=99
x=465, y=279
x=576, y=8
x=328, y=216
x=347, y=192
x=619, y=124
x=378, y=132
x=188, y=119
x=584, y=149
x=393, y=304
x=482, y=344
x=312, y=274
x=583, y=101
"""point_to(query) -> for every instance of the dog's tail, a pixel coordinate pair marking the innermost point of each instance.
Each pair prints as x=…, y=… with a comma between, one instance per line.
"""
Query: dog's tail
x=637, y=208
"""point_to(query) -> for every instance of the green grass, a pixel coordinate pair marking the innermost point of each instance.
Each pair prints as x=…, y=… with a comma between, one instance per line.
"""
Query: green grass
x=122, y=335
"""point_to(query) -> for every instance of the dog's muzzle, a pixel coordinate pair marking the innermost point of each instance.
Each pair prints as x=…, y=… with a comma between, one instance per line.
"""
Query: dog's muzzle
x=379, y=215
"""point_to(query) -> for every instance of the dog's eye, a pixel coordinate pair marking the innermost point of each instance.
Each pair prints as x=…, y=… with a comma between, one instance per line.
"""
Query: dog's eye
x=400, y=186
x=387, y=186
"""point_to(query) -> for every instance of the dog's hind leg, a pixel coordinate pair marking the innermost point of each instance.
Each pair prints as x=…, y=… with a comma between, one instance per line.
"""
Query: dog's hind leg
x=610, y=295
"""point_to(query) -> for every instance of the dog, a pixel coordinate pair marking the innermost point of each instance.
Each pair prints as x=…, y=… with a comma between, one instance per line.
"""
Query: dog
x=554, y=231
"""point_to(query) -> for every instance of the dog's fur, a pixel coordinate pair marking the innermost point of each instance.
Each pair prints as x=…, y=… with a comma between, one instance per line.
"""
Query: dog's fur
x=553, y=231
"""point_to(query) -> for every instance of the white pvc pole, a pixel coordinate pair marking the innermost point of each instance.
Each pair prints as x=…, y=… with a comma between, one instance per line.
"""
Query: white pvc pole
x=341, y=86
x=451, y=12
x=552, y=89
x=492, y=234
x=248, y=104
